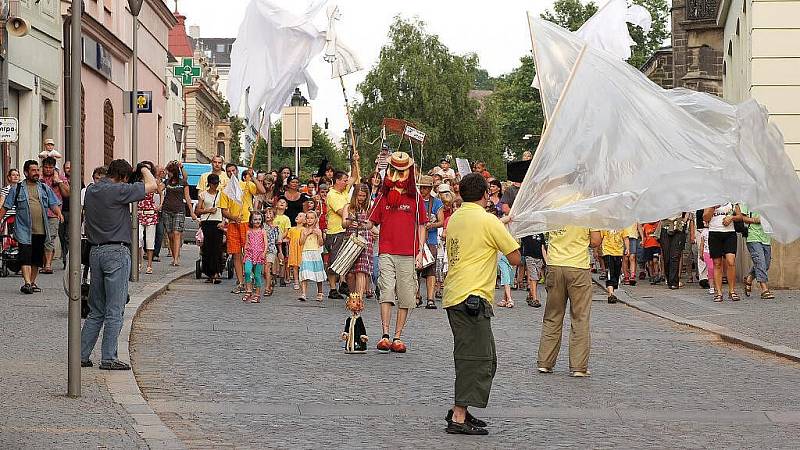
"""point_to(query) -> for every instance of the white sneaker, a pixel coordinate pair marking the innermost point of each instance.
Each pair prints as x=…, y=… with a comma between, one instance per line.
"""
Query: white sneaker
x=581, y=374
x=710, y=291
x=545, y=370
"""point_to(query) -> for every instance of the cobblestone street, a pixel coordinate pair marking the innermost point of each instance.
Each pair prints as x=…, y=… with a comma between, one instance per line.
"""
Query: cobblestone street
x=221, y=373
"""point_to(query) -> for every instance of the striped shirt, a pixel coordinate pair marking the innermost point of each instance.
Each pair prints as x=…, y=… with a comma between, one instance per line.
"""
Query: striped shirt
x=3, y=194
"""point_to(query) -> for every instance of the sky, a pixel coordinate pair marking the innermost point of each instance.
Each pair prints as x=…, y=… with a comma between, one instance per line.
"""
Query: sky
x=496, y=31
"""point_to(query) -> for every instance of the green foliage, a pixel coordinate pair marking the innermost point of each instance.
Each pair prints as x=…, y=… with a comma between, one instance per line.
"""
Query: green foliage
x=570, y=14
x=518, y=110
x=646, y=45
x=418, y=79
x=322, y=148
x=237, y=126
x=483, y=81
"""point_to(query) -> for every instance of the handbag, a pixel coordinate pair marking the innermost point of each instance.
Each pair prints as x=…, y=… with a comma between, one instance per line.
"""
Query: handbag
x=427, y=257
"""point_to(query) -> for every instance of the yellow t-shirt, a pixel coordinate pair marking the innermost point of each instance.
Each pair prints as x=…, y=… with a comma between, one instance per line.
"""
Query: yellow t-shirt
x=336, y=201
x=283, y=223
x=631, y=232
x=613, y=244
x=202, y=185
x=473, y=239
x=311, y=243
x=235, y=209
x=568, y=247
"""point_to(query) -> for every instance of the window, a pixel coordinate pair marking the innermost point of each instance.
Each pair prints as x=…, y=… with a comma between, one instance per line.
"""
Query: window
x=108, y=132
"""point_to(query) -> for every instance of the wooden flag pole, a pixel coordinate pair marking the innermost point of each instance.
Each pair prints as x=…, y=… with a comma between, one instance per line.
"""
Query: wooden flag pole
x=353, y=164
x=258, y=138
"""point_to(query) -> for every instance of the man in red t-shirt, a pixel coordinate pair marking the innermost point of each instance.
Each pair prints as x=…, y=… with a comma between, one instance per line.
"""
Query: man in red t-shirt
x=401, y=215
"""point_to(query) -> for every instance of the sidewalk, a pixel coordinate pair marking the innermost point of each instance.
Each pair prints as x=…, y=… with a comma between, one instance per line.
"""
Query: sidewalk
x=765, y=325
x=35, y=411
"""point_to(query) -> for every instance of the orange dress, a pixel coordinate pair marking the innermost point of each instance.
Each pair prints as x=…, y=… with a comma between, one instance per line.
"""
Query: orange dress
x=295, y=250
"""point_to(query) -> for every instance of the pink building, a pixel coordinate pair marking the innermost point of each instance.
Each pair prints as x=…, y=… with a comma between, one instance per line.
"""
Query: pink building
x=106, y=76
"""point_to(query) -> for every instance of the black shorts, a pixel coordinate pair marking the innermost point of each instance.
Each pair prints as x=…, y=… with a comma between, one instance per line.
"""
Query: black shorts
x=32, y=254
x=721, y=243
x=651, y=253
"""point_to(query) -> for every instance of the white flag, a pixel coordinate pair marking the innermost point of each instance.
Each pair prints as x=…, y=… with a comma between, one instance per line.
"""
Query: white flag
x=270, y=56
x=343, y=60
x=607, y=30
x=620, y=149
x=233, y=190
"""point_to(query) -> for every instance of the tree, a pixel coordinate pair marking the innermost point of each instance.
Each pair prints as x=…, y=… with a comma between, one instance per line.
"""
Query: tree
x=518, y=110
x=322, y=148
x=237, y=126
x=483, y=81
x=418, y=79
x=646, y=45
x=570, y=14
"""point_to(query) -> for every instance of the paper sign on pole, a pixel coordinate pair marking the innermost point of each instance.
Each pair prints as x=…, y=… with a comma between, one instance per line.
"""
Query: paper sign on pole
x=463, y=167
x=9, y=129
x=414, y=133
x=296, y=120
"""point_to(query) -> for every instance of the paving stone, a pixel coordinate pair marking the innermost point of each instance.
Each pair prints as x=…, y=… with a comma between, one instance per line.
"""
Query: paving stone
x=223, y=374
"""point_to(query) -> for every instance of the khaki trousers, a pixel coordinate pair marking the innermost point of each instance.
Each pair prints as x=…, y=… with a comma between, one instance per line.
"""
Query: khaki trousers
x=564, y=283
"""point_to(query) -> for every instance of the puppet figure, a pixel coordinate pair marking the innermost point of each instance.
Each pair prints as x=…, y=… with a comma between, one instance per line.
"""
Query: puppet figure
x=355, y=333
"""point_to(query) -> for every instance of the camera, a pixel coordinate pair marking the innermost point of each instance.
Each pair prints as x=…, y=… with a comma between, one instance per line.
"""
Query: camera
x=136, y=176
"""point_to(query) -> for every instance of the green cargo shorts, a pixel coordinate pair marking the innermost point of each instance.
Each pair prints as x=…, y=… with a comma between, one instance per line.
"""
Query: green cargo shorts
x=474, y=354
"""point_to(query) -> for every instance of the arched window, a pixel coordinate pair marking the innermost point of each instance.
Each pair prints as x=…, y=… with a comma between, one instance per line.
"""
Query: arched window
x=221, y=148
x=108, y=132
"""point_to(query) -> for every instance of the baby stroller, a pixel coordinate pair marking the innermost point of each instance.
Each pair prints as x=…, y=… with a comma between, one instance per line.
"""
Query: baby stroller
x=9, y=248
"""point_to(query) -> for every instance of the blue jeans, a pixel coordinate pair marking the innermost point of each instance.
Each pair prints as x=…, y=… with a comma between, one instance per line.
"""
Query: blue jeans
x=108, y=292
x=762, y=257
x=159, y=236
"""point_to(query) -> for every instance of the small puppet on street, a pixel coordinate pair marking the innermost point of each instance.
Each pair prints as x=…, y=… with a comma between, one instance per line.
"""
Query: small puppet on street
x=355, y=333
x=400, y=213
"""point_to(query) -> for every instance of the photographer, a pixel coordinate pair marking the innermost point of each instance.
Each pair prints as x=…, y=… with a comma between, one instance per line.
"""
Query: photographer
x=108, y=229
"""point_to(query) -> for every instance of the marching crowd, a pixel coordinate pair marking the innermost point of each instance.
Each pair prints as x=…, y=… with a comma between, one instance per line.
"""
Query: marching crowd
x=380, y=237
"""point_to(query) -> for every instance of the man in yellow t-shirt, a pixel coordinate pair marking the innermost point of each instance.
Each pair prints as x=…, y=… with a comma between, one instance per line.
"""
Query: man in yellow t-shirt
x=216, y=167
x=473, y=239
x=338, y=198
x=568, y=279
x=238, y=215
x=613, y=248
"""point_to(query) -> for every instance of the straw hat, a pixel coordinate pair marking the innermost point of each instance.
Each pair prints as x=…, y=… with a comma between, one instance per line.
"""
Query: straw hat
x=401, y=161
x=425, y=180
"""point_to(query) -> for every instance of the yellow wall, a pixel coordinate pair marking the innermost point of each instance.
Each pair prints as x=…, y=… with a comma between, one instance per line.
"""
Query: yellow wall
x=762, y=60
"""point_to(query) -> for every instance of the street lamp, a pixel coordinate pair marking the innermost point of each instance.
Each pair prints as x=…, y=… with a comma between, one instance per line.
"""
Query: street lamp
x=298, y=99
x=178, y=128
x=135, y=7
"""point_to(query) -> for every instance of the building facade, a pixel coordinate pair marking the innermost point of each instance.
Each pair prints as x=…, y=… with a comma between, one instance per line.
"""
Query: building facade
x=34, y=73
x=762, y=61
x=207, y=131
x=697, y=46
x=106, y=76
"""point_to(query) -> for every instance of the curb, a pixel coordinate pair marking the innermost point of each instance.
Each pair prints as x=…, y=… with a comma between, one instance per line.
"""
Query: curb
x=723, y=333
x=123, y=386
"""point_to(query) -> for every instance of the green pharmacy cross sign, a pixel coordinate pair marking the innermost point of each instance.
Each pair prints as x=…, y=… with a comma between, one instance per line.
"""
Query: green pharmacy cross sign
x=187, y=71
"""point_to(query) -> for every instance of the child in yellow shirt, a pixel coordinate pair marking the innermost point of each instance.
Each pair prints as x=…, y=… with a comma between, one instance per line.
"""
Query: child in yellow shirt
x=613, y=248
x=281, y=220
x=295, y=249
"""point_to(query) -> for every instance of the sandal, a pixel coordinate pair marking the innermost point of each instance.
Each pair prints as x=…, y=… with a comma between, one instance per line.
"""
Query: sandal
x=247, y=297
x=510, y=304
x=255, y=298
x=718, y=298
x=320, y=297
x=767, y=295
x=46, y=270
x=217, y=281
x=238, y=289
x=430, y=305
x=149, y=271
x=268, y=292
x=35, y=288
x=501, y=304
x=734, y=296
x=301, y=298
x=748, y=286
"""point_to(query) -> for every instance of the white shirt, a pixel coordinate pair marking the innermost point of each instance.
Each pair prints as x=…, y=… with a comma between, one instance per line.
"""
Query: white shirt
x=719, y=215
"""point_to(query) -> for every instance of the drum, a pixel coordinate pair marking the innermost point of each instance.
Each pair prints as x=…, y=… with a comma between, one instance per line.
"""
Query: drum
x=348, y=254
